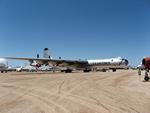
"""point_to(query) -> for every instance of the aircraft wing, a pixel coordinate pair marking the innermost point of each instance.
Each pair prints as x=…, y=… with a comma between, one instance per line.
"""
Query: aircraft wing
x=71, y=63
x=15, y=58
x=56, y=62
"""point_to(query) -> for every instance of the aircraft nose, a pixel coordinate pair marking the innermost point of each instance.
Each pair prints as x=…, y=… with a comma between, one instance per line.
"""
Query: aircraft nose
x=125, y=61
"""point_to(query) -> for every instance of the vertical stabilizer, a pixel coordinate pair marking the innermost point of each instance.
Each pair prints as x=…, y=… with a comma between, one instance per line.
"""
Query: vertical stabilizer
x=46, y=53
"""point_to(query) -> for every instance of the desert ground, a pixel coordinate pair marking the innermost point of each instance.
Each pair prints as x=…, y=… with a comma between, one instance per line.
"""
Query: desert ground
x=95, y=92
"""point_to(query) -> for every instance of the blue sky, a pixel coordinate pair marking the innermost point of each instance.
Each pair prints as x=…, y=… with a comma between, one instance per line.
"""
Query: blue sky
x=73, y=29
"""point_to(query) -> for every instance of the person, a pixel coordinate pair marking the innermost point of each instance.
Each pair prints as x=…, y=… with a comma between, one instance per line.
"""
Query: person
x=139, y=72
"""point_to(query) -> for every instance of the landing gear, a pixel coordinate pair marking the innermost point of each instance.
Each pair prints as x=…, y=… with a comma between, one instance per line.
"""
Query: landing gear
x=114, y=70
x=103, y=70
x=3, y=71
x=68, y=71
x=86, y=70
x=146, y=78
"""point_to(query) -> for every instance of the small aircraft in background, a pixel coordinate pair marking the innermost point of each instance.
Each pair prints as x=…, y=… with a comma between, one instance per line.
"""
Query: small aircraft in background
x=145, y=65
x=3, y=65
x=69, y=65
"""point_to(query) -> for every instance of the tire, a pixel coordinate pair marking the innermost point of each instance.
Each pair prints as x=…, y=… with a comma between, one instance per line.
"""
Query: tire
x=68, y=71
x=114, y=70
x=103, y=70
x=62, y=70
x=86, y=71
x=146, y=78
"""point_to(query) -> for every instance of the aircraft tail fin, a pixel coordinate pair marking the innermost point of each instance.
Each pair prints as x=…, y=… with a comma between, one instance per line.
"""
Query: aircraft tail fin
x=46, y=53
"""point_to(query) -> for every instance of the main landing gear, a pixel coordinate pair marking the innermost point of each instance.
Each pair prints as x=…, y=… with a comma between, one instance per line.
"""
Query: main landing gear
x=3, y=71
x=67, y=70
x=146, y=78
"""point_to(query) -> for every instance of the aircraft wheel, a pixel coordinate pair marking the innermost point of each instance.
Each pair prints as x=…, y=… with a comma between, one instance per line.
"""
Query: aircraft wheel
x=86, y=71
x=68, y=71
x=103, y=70
x=146, y=78
x=114, y=70
x=62, y=70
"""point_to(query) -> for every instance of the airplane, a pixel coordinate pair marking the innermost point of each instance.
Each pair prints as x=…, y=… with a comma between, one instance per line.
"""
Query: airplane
x=16, y=68
x=29, y=68
x=69, y=65
x=45, y=68
x=145, y=65
x=10, y=68
x=3, y=65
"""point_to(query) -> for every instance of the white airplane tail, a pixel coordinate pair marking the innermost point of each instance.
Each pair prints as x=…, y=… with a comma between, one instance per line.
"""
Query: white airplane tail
x=46, y=53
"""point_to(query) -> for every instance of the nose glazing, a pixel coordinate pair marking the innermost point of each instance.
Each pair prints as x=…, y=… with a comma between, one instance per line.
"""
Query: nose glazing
x=125, y=61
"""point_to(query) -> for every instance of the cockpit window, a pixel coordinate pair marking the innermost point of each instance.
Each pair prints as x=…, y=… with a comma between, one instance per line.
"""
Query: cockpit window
x=143, y=61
